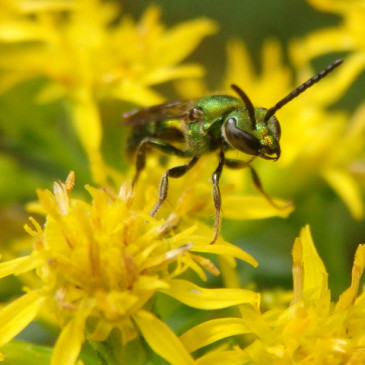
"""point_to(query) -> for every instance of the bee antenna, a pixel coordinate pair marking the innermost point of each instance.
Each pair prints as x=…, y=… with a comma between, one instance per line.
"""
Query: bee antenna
x=247, y=101
x=302, y=88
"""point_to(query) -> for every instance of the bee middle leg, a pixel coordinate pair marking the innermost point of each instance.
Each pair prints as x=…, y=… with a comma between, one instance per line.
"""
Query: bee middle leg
x=152, y=143
x=237, y=164
x=217, y=197
x=174, y=172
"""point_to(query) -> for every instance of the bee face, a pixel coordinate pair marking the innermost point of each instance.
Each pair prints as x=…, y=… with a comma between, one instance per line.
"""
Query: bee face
x=261, y=140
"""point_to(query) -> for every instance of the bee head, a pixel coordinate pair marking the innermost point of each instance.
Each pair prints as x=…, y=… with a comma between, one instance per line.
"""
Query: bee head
x=259, y=139
x=248, y=131
x=256, y=131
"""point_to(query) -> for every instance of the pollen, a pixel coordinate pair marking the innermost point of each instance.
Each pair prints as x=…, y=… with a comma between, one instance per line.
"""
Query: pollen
x=268, y=141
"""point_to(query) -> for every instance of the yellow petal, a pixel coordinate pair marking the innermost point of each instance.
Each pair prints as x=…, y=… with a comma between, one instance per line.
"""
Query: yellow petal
x=145, y=282
x=172, y=73
x=69, y=342
x=321, y=42
x=197, y=297
x=18, y=266
x=9, y=80
x=253, y=207
x=17, y=315
x=228, y=268
x=335, y=6
x=315, y=284
x=161, y=339
x=190, y=88
x=180, y=41
x=101, y=331
x=47, y=5
x=226, y=249
x=347, y=188
x=87, y=123
x=48, y=202
x=348, y=297
x=212, y=331
x=230, y=357
x=51, y=92
x=136, y=93
x=298, y=270
x=21, y=31
x=337, y=83
x=239, y=64
x=255, y=321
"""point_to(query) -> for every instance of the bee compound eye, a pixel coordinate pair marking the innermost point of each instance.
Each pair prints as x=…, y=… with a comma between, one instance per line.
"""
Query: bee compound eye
x=232, y=121
x=240, y=139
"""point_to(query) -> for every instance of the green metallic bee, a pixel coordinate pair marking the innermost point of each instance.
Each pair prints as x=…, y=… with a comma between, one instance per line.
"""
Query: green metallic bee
x=208, y=124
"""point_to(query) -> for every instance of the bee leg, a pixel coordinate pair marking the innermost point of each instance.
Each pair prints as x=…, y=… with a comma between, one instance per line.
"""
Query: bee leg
x=217, y=197
x=157, y=144
x=258, y=185
x=174, y=172
x=237, y=164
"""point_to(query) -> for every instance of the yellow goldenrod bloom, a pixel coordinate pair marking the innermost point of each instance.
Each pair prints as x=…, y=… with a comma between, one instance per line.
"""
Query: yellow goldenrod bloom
x=99, y=264
x=86, y=52
x=312, y=330
x=347, y=36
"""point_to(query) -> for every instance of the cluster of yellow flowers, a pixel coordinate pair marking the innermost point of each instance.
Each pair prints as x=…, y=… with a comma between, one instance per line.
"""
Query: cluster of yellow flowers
x=101, y=263
x=99, y=266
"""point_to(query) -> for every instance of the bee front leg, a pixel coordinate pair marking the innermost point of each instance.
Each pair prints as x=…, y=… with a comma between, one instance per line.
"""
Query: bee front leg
x=258, y=185
x=237, y=164
x=217, y=197
x=152, y=143
x=174, y=172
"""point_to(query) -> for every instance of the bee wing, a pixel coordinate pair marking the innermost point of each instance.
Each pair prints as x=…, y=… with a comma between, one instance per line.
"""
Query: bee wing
x=159, y=113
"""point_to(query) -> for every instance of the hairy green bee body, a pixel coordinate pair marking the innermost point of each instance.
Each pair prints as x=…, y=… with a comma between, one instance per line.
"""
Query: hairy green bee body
x=203, y=132
x=199, y=128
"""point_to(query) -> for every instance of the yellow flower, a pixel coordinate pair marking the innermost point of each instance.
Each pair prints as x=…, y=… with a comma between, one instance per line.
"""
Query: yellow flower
x=348, y=36
x=312, y=330
x=99, y=265
x=85, y=53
